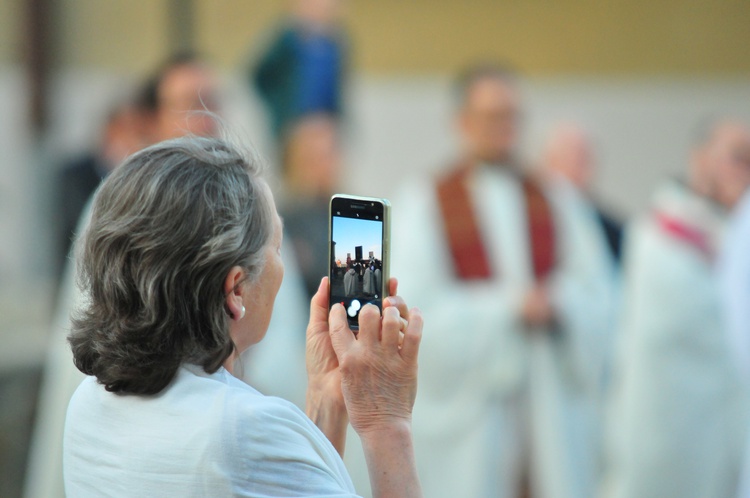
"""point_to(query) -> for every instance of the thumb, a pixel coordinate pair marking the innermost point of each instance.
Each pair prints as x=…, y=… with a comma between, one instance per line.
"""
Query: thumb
x=319, y=308
x=342, y=337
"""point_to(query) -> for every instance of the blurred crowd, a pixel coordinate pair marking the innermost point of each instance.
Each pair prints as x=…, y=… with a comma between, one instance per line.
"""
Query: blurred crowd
x=567, y=352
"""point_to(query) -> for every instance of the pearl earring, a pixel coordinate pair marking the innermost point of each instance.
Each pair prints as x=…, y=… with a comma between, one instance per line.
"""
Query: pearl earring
x=242, y=313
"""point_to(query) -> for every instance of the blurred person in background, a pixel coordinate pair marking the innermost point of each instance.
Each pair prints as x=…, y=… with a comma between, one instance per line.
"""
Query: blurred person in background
x=734, y=271
x=302, y=69
x=311, y=171
x=518, y=288
x=181, y=97
x=735, y=275
x=569, y=155
x=123, y=133
x=678, y=413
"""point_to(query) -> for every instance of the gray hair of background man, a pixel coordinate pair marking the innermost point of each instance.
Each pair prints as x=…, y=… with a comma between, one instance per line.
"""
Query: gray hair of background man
x=166, y=228
x=481, y=71
x=704, y=130
x=568, y=151
x=720, y=159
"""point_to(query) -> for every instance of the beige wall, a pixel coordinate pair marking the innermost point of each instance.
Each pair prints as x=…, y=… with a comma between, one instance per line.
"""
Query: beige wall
x=544, y=37
x=541, y=37
x=127, y=35
x=11, y=17
x=227, y=29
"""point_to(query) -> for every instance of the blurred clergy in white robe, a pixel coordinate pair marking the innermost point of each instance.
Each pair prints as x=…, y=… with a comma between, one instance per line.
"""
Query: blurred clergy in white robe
x=516, y=282
x=734, y=271
x=678, y=413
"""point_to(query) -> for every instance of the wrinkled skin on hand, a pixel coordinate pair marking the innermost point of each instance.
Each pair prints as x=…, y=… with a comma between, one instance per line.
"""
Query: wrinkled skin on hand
x=373, y=374
x=379, y=367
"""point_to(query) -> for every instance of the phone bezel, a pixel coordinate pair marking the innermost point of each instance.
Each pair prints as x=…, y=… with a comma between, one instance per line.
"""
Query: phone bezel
x=386, y=242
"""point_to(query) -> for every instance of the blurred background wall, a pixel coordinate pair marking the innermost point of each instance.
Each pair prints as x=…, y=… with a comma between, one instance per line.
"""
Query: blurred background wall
x=639, y=74
x=542, y=37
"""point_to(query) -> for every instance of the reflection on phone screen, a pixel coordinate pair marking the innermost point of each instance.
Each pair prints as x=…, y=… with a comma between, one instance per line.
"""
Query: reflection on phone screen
x=356, y=266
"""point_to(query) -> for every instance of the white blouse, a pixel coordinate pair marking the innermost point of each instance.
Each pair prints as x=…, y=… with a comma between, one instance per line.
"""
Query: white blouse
x=204, y=435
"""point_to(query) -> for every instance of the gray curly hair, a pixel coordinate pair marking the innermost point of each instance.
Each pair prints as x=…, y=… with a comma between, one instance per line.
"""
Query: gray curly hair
x=166, y=228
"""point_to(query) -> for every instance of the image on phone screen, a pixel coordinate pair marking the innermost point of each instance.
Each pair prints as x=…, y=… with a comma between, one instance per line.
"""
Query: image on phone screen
x=356, y=274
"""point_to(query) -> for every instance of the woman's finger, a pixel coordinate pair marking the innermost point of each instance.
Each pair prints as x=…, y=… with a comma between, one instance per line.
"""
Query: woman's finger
x=319, y=308
x=392, y=286
x=369, y=324
x=398, y=303
x=319, y=302
x=341, y=335
x=412, y=336
x=391, y=328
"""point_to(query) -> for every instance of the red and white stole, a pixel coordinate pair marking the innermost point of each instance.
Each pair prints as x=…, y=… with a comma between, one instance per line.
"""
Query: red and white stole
x=467, y=247
x=693, y=236
x=689, y=218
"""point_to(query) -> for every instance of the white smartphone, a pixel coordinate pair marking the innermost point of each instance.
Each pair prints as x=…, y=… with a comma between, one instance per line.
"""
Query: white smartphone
x=359, y=256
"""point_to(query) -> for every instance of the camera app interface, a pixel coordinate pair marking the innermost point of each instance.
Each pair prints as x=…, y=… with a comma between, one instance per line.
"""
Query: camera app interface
x=356, y=254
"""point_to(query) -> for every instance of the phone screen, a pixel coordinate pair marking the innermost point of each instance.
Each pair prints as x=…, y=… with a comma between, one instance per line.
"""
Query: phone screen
x=357, y=268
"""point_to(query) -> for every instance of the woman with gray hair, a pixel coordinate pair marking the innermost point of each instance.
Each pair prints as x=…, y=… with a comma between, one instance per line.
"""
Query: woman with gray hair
x=181, y=264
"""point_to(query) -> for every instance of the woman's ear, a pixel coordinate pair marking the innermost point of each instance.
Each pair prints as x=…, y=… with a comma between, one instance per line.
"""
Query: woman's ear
x=234, y=292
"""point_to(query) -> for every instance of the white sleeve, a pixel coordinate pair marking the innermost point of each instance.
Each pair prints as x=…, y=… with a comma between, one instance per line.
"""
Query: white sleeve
x=277, y=451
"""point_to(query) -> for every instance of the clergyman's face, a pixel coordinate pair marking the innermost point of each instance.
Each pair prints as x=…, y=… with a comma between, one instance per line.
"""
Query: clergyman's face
x=729, y=154
x=488, y=121
x=184, y=92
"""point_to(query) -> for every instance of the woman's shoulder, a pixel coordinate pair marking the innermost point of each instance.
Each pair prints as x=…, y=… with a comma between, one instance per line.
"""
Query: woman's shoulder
x=270, y=436
x=213, y=421
x=246, y=422
x=239, y=401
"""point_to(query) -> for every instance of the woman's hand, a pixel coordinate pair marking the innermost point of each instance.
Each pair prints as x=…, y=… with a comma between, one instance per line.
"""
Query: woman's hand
x=325, y=401
x=379, y=382
x=323, y=376
x=322, y=364
x=378, y=368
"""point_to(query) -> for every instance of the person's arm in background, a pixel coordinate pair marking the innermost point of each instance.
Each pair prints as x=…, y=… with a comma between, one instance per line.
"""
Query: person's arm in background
x=344, y=44
x=267, y=72
x=68, y=206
